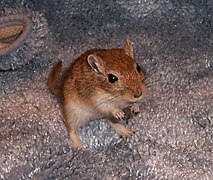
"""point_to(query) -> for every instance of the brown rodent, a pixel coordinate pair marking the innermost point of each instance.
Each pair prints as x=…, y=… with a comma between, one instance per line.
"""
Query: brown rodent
x=99, y=84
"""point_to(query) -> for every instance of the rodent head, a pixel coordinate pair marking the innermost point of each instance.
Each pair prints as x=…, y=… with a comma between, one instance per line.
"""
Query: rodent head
x=118, y=73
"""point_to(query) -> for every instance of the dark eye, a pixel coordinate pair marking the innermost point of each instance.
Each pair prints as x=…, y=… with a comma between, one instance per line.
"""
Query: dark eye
x=138, y=68
x=112, y=78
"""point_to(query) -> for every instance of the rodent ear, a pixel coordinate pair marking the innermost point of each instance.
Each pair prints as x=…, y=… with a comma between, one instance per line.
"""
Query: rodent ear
x=95, y=63
x=128, y=48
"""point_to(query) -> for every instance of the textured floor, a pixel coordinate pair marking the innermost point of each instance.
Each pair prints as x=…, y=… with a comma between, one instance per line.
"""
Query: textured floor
x=173, y=42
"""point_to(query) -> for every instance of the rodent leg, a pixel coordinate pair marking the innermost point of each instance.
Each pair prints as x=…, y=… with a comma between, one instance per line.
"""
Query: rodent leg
x=76, y=116
x=76, y=143
x=121, y=130
x=118, y=114
x=135, y=108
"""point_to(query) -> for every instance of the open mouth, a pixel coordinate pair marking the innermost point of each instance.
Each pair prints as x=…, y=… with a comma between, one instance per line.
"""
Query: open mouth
x=14, y=30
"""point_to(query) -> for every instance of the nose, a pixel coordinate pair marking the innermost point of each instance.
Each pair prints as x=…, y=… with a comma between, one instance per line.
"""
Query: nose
x=137, y=94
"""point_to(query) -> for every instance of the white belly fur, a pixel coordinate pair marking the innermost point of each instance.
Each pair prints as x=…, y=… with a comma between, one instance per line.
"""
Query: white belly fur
x=78, y=114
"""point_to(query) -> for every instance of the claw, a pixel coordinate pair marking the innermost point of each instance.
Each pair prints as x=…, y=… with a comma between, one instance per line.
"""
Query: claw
x=135, y=108
x=119, y=114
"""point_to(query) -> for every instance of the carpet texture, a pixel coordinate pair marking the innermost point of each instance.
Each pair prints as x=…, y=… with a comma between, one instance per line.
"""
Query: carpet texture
x=173, y=42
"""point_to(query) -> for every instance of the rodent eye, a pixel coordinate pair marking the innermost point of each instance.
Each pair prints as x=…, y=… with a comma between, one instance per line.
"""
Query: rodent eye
x=112, y=78
x=138, y=68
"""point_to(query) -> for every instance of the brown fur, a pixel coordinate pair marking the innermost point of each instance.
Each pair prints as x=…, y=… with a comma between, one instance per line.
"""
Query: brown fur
x=88, y=94
x=53, y=80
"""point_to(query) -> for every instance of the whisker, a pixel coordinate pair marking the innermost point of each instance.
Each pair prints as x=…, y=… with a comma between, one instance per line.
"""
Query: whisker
x=107, y=101
x=152, y=82
x=149, y=85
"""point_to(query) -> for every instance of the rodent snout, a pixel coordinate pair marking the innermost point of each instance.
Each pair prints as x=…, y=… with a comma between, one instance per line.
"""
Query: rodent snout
x=138, y=94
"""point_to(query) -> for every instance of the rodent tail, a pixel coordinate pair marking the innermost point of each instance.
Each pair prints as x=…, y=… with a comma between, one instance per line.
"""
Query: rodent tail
x=53, y=79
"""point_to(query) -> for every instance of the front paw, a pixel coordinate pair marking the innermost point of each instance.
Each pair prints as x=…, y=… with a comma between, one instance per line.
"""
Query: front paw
x=135, y=108
x=118, y=114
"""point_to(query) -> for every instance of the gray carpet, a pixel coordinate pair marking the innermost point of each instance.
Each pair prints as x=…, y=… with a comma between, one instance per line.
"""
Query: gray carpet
x=173, y=42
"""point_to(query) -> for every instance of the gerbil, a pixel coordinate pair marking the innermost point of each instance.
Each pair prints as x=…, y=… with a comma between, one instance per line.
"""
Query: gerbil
x=99, y=84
